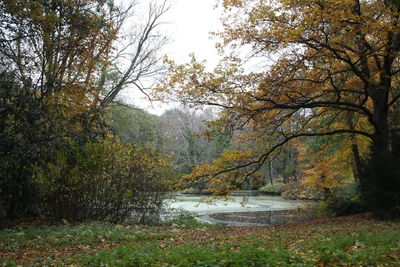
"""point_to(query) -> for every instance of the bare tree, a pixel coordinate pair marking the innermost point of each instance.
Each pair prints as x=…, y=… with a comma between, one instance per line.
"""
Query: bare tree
x=96, y=45
x=137, y=59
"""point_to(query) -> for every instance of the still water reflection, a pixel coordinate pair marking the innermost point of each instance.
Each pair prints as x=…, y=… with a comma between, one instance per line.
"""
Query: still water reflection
x=239, y=211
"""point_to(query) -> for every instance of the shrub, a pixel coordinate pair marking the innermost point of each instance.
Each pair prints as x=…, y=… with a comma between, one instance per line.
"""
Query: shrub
x=273, y=189
x=340, y=202
x=382, y=195
x=32, y=128
x=181, y=217
x=104, y=181
x=25, y=138
x=297, y=190
x=341, y=206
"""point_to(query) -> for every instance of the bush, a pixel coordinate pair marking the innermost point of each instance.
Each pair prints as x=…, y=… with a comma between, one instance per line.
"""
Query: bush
x=104, y=181
x=181, y=217
x=341, y=206
x=25, y=138
x=32, y=128
x=380, y=183
x=297, y=190
x=341, y=201
x=273, y=189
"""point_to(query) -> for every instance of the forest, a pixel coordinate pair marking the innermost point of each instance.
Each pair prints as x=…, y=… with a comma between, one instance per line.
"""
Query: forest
x=85, y=175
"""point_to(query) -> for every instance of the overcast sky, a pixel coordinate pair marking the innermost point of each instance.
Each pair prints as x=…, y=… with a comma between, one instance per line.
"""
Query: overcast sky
x=188, y=25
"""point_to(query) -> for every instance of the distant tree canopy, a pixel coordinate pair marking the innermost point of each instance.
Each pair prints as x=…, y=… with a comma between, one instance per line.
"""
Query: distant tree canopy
x=332, y=68
x=133, y=125
x=183, y=138
x=178, y=133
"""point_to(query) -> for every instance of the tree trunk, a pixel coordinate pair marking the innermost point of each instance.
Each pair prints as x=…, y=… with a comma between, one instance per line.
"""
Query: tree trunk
x=270, y=172
x=379, y=181
x=357, y=162
x=355, y=151
x=380, y=138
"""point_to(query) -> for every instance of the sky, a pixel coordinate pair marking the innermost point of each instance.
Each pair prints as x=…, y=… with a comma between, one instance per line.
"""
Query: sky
x=188, y=24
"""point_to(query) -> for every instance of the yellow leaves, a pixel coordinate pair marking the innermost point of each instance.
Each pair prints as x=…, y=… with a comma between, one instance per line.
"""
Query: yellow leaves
x=329, y=165
x=191, y=82
x=276, y=25
x=219, y=181
x=234, y=3
x=312, y=85
x=326, y=173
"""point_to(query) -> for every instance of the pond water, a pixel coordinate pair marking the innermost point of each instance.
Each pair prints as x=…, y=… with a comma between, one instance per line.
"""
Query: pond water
x=239, y=211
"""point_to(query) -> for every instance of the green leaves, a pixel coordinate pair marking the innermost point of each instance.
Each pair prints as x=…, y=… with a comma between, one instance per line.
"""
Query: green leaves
x=347, y=241
x=396, y=2
x=104, y=181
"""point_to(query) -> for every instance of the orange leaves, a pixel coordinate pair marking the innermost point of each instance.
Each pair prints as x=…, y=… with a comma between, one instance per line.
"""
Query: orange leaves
x=215, y=176
x=66, y=41
x=235, y=3
x=271, y=26
x=327, y=162
x=325, y=173
x=192, y=83
x=325, y=59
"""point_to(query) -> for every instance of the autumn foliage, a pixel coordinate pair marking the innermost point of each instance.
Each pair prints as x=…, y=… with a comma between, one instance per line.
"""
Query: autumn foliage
x=58, y=157
x=330, y=71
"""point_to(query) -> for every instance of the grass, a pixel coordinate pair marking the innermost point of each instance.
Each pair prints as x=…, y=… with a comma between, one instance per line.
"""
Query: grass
x=185, y=218
x=92, y=234
x=347, y=241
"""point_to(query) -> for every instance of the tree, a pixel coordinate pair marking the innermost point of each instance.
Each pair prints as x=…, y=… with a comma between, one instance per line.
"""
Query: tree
x=137, y=60
x=190, y=139
x=332, y=59
x=55, y=45
x=181, y=132
x=59, y=45
x=24, y=140
x=53, y=54
x=133, y=125
x=48, y=56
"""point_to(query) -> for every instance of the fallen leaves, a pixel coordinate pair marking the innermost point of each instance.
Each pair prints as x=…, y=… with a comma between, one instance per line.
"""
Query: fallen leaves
x=299, y=239
x=29, y=255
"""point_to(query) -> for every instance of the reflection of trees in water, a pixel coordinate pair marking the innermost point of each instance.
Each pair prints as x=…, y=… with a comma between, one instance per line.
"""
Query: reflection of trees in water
x=258, y=210
x=277, y=217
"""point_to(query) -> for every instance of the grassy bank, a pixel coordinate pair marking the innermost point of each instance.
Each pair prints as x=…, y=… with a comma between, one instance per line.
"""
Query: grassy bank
x=346, y=241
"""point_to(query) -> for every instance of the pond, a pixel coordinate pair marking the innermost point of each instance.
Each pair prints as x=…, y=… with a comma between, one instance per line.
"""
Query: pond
x=239, y=211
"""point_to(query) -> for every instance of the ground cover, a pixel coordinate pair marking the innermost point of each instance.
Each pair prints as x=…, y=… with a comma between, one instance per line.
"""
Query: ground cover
x=345, y=241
